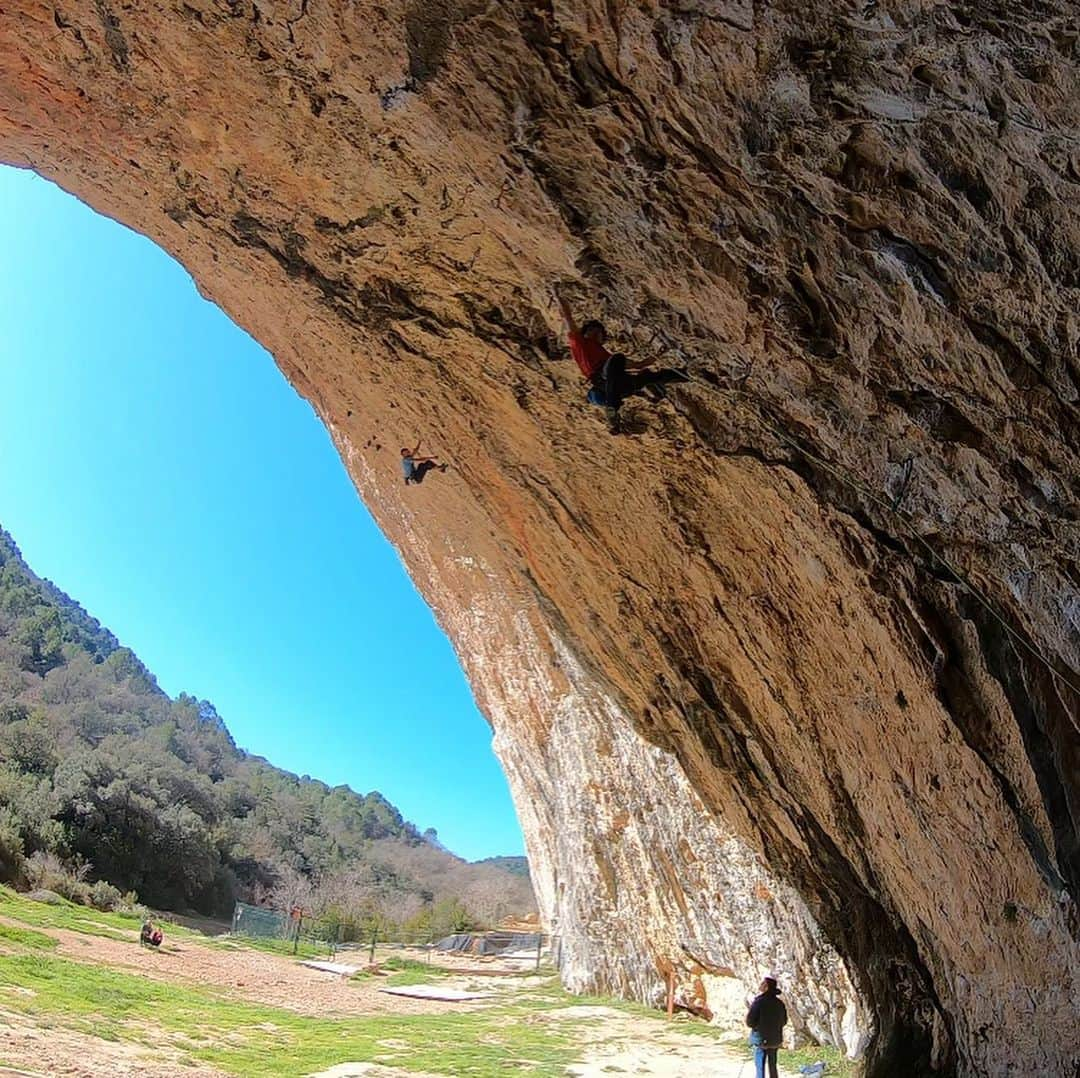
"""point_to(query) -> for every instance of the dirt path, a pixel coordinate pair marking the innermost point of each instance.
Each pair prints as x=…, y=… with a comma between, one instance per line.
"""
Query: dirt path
x=613, y=1042
x=257, y=976
x=616, y=1042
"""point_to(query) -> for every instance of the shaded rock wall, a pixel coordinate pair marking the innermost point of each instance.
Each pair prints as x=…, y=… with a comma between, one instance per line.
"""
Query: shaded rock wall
x=715, y=668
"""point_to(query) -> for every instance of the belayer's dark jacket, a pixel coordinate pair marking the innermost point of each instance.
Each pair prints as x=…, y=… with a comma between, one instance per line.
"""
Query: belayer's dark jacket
x=768, y=1016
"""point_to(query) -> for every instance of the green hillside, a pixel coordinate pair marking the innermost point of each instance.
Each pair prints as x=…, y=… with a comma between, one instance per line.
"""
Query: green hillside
x=100, y=770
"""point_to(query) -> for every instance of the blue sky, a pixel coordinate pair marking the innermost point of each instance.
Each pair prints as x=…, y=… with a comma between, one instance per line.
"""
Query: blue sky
x=156, y=466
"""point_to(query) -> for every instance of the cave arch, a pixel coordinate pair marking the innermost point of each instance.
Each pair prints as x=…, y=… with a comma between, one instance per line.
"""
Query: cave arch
x=771, y=195
x=188, y=471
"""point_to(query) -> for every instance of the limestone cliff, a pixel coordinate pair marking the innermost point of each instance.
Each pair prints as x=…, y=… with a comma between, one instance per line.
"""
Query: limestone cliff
x=744, y=706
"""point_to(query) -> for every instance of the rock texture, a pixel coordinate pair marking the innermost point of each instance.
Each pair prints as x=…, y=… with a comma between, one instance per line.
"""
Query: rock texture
x=720, y=675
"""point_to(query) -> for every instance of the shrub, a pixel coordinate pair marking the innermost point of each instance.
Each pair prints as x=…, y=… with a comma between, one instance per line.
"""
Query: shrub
x=130, y=906
x=11, y=846
x=46, y=872
x=105, y=897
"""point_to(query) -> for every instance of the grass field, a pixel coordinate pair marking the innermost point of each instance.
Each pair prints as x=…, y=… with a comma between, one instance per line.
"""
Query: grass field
x=26, y=937
x=77, y=918
x=407, y=971
x=244, y=1039
x=68, y=969
x=300, y=949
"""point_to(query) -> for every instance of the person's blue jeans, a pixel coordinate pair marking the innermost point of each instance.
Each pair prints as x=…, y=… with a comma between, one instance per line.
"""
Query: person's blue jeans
x=760, y=1056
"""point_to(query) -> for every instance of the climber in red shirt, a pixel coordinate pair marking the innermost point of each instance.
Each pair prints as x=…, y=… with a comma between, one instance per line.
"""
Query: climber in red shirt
x=613, y=376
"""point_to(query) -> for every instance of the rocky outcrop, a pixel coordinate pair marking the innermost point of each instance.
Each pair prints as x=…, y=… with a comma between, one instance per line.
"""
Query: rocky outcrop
x=725, y=656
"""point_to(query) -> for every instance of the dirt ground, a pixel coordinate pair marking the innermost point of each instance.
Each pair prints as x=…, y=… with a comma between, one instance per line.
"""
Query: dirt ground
x=252, y=975
x=614, y=1043
x=30, y=1051
x=479, y=965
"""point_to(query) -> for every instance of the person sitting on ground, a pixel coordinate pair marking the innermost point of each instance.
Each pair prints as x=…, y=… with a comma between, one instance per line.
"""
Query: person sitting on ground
x=414, y=468
x=613, y=376
x=151, y=935
x=766, y=1018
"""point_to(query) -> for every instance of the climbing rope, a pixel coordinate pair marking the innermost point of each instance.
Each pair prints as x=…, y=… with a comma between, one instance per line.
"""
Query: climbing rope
x=894, y=510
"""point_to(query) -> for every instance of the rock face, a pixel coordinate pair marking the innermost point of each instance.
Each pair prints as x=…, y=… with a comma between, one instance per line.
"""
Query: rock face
x=748, y=714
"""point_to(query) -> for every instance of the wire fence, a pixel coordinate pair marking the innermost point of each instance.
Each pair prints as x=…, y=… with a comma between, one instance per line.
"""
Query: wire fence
x=259, y=922
x=292, y=927
x=303, y=932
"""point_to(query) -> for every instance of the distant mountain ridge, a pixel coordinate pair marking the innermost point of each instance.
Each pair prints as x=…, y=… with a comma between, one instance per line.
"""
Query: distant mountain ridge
x=98, y=764
x=517, y=866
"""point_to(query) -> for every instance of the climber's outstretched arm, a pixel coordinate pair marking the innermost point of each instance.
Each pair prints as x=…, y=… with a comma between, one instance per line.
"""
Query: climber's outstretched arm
x=564, y=309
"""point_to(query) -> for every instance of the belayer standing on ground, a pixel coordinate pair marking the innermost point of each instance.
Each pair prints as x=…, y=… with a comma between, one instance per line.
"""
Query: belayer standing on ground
x=613, y=376
x=766, y=1018
x=414, y=468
